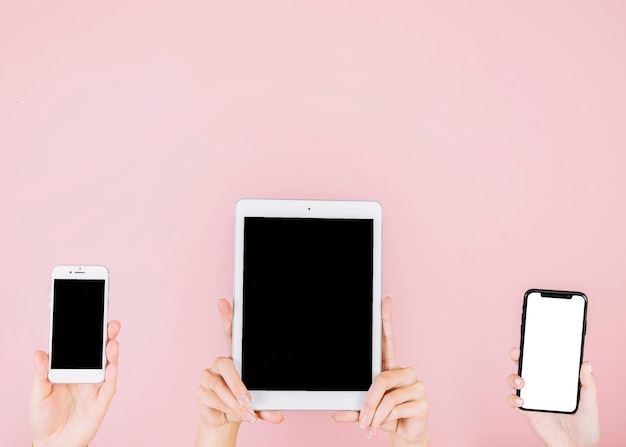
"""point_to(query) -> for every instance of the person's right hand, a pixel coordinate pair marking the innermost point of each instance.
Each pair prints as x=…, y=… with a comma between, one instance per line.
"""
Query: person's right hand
x=581, y=429
x=69, y=414
x=222, y=398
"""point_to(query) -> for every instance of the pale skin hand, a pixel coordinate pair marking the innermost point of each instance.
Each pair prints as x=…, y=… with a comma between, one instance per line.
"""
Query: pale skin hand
x=222, y=398
x=396, y=401
x=581, y=429
x=69, y=415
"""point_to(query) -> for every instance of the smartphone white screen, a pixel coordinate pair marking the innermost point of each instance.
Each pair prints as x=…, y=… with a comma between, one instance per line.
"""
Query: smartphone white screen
x=552, y=343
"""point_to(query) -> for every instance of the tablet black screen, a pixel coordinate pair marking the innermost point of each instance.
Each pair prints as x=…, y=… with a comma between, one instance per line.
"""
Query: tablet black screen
x=307, y=304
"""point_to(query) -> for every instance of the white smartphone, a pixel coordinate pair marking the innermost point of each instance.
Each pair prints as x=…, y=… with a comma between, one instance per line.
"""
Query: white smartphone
x=552, y=342
x=78, y=323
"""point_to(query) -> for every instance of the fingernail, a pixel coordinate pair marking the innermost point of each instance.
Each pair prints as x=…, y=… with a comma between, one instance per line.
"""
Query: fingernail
x=249, y=417
x=370, y=433
x=519, y=381
x=590, y=370
x=519, y=402
x=244, y=399
x=363, y=421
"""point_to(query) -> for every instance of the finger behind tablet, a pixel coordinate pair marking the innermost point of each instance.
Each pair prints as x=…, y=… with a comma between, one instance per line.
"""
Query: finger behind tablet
x=346, y=416
x=274, y=417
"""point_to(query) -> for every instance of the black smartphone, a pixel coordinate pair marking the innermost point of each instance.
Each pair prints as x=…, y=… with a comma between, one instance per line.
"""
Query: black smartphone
x=552, y=344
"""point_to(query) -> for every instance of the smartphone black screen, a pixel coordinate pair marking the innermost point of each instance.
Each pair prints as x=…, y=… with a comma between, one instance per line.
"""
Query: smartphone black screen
x=77, y=324
x=307, y=304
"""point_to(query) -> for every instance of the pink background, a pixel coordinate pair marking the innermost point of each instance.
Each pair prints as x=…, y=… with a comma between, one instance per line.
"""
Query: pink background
x=492, y=133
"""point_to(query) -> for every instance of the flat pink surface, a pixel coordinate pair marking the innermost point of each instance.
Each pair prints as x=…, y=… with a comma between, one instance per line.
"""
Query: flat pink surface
x=494, y=136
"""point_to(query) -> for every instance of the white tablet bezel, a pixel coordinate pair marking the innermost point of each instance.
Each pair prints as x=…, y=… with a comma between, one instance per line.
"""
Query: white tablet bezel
x=337, y=209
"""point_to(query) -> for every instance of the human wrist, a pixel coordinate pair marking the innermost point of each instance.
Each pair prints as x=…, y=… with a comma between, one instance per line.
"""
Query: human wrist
x=567, y=443
x=44, y=444
x=422, y=441
x=223, y=435
x=573, y=443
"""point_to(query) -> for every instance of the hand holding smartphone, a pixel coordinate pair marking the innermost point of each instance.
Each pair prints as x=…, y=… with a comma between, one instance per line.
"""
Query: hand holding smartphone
x=74, y=384
x=78, y=324
x=552, y=341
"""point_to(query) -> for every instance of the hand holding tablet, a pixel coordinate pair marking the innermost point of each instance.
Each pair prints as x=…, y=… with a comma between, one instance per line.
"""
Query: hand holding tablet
x=312, y=265
x=222, y=398
x=395, y=402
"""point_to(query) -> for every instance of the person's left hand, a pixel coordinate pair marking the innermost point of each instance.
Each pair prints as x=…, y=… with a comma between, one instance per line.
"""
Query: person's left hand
x=396, y=400
x=69, y=415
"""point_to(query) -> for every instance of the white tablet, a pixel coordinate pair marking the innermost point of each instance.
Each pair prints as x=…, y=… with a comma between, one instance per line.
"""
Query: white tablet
x=307, y=298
